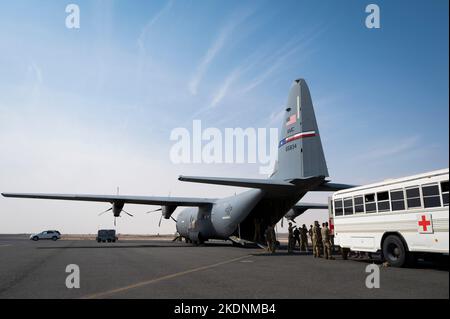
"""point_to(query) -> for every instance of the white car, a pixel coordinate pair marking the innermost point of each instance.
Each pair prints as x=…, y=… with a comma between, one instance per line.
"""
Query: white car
x=48, y=234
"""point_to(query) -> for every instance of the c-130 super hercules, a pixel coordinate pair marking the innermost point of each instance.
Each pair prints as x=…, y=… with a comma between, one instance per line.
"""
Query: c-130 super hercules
x=300, y=168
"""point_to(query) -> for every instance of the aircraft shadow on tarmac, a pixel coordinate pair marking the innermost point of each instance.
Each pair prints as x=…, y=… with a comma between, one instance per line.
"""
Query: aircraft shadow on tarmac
x=108, y=246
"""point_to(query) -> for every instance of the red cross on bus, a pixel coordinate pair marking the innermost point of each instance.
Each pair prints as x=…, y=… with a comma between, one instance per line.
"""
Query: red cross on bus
x=424, y=223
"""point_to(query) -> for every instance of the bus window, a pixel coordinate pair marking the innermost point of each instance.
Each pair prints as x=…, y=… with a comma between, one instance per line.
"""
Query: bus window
x=383, y=202
x=371, y=206
x=359, y=205
x=397, y=199
x=431, y=197
x=338, y=207
x=444, y=189
x=348, y=206
x=413, y=197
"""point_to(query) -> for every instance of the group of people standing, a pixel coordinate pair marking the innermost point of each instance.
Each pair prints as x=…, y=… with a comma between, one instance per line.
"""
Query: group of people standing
x=321, y=239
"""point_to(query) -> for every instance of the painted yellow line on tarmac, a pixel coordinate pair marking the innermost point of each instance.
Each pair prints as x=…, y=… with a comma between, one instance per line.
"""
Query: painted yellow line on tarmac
x=152, y=281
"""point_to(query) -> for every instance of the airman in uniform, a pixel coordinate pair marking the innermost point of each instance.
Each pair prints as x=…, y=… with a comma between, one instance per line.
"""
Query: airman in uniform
x=270, y=238
x=326, y=242
x=320, y=242
x=310, y=232
x=274, y=238
x=297, y=233
x=315, y=239
x=331, y=237
x=304, y=238
x=290, y=238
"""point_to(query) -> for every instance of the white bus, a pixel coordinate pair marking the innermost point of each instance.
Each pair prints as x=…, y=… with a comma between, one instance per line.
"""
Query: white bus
x=401, y=218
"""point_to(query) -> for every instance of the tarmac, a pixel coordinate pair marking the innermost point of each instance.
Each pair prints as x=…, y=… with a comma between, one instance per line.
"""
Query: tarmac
x=159, y=268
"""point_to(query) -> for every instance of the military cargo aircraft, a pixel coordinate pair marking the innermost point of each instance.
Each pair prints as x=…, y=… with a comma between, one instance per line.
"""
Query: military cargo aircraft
x=300, y=168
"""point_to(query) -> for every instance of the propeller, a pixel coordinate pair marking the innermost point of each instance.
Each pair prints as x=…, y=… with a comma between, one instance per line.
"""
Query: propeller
x=105, y=211
x=160, y=219
x=131, y=215
x=116, y=208
x=152, y=211
x=162, y=210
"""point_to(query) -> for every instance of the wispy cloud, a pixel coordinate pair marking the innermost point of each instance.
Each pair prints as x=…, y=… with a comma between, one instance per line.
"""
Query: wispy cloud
x=386, y=151
x=35, y=74
x=217, y=45
x=275, y=118
x=279, y=57
x=146, y=29
x=215, y=48
x=221, y=93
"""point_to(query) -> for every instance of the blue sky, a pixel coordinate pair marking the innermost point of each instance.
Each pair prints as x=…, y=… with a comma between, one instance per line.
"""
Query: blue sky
x=89, y=109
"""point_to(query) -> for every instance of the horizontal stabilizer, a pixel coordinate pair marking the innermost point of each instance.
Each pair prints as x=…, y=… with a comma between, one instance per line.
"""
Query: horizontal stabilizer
x=143, y=200
x=266, y=184
x=306, y=206
x=300, y=208
x=332, y=187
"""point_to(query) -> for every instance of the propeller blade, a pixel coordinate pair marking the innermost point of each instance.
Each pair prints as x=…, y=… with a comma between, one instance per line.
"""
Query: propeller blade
x=282, y=219
x=152, y=211
x=173, y=219
x=127, y=213
x=114, y=220
x=105, y=211
x=160, y=219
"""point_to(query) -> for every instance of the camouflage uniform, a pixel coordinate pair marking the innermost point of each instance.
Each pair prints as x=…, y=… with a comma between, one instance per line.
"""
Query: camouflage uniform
x=274, y=238
x=310, y=232
x=315, y=239
x=304, y=238
x=326, y=242
x=319, y=241
x=297, y=233
x=270, y=238
x=290, y=238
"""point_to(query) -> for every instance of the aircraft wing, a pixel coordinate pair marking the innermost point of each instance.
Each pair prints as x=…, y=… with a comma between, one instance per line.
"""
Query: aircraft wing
x=144, y=200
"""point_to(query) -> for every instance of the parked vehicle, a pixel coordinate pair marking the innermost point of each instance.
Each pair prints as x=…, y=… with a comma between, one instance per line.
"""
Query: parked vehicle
x=404, y=218
x=106, y=235
x=48, y=234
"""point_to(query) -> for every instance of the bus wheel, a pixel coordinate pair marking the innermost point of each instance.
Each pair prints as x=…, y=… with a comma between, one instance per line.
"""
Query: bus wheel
x=394, y=251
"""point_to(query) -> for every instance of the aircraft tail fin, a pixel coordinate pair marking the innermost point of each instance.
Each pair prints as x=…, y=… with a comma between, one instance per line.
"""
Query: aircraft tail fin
x=300, y=152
